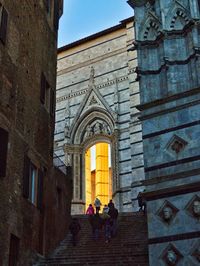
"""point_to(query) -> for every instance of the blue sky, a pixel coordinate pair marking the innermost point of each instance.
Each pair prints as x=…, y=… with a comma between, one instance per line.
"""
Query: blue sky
x=82, y=18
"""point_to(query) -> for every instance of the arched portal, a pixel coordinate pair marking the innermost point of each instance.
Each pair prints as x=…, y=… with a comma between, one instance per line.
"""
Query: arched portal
x=96, y=127
x=98, y=173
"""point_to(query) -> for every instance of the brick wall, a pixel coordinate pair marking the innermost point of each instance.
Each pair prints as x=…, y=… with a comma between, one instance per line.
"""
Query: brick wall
x=29, y=49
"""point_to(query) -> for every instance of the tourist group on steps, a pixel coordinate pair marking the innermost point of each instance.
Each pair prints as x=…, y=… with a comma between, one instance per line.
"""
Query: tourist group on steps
x=105, y=221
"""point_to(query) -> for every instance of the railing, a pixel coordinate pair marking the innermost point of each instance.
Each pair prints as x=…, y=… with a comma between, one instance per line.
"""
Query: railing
x=58, y=163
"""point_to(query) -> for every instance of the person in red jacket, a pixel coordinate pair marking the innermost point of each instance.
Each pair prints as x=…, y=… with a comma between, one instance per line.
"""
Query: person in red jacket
x=90, y=213
x=90, y=210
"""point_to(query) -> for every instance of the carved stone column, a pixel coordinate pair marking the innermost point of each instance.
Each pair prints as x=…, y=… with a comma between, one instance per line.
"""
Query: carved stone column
x=102, y=173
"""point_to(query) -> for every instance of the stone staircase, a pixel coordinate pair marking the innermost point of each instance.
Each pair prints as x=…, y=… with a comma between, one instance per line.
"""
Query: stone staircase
x=129, y=247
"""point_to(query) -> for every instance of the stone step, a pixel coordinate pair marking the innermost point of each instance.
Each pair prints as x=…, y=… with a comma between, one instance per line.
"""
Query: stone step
x=129, y=247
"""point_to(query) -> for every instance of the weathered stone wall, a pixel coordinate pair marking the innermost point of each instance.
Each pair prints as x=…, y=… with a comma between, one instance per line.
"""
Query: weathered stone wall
x=167, y=40
x=30, y=49
x=57, y=208
x=109, y=95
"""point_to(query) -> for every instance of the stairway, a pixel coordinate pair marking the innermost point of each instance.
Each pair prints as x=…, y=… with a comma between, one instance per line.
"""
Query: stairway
x=129, y=247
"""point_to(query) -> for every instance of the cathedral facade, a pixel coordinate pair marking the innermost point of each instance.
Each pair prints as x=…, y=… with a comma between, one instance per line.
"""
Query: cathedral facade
x=168, y=45
x=97, y=91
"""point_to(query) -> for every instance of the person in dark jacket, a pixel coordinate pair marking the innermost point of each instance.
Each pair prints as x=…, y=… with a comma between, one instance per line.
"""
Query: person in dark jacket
x=74, y=229
x=141, y=202
x=106, y=223
x=113, y=212
x=96, y=225
x=111, y=204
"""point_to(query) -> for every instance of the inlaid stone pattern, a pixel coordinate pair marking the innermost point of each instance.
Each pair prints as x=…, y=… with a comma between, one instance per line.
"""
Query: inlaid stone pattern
x=175, y=217
x=193, y=207
x=176, y=145
x=167, y=212
x=171, y=256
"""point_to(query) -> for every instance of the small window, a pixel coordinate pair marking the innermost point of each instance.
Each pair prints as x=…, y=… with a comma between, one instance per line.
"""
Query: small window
x=45, y=93
x=32, y=183
x=3, y=24
x=14, y=250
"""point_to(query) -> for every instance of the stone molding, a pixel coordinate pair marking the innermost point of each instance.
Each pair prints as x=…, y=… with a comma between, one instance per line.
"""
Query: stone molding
x=171, y=191
x=99, y=86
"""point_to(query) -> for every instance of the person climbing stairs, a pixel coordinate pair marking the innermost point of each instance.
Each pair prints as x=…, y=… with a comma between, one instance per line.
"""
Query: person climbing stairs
x=128, y=247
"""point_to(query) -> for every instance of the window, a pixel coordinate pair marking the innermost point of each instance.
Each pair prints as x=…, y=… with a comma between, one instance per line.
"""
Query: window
x=47, y=95
x=3, y=151
x=45, y=92
x=3, y=24
x=14, y=250
x=48, y=6
x=32, y=183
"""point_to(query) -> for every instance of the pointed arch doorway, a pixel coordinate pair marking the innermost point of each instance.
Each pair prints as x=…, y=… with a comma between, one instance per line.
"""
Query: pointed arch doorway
x=98, y=173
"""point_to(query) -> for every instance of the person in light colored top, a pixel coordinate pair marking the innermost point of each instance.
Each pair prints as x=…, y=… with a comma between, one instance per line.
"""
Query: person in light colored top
x=97, y=204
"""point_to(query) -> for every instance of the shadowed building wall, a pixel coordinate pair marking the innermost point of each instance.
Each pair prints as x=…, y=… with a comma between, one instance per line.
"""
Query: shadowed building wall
x=168, y=44
x=29, y=184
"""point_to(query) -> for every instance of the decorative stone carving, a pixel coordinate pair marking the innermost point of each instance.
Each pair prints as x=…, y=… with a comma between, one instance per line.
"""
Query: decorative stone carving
x=193, y=207
x=93, y=101
x=167, y=212
x=89, y=132
x=196, y=208
x=171, y=256
x=97, y=128
x=176, y=144
x=105, y=129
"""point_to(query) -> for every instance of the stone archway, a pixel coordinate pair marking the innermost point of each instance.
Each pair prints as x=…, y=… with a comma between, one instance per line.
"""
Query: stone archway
x=97, y=173
x=96, y=126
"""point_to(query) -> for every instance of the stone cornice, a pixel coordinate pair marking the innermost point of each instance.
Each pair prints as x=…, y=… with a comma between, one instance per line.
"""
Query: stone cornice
x=167, y=63
x=164, y=34
x=171, y=191
x=174, y=97
x=99, y=86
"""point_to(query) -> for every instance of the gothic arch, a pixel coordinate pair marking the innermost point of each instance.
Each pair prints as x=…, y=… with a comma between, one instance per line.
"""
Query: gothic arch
x=89, y=118
x=177, y=17
x=150, y=29
x=81, y=140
